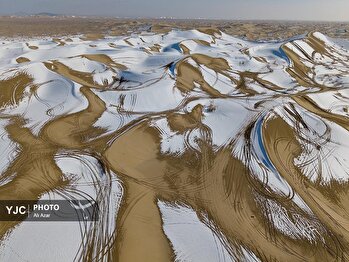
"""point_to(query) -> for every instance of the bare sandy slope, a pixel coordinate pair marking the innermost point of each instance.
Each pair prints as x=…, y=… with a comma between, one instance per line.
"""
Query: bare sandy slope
x=196, y=146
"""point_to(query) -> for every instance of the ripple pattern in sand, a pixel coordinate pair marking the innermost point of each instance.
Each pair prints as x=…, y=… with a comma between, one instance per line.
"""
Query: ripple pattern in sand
x=196, y=145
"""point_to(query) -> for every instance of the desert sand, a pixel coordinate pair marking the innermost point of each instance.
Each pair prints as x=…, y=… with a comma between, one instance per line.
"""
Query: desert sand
x=200, y=140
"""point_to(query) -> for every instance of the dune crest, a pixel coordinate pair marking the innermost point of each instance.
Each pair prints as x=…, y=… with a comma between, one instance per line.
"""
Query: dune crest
x=196, y=144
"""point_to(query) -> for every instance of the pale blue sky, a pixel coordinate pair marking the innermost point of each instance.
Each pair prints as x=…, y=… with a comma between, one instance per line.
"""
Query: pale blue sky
x=330, y=10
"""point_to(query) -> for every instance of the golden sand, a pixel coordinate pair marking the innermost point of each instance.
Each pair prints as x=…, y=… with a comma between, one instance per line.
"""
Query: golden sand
x=218, y=185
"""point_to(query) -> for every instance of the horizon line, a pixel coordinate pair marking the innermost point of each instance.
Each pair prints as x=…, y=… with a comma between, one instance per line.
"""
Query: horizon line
x=49, y=14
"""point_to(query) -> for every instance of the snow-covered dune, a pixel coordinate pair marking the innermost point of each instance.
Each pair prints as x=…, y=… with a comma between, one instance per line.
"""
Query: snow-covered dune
x=197, y=145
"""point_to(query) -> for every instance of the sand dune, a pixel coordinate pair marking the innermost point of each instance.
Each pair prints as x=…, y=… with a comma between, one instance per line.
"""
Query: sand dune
x=197, y=145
